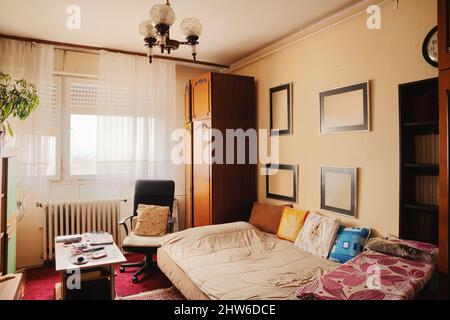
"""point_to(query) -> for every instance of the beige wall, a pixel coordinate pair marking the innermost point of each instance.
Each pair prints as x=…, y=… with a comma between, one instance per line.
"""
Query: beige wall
x=345, y=54
x=29, y=234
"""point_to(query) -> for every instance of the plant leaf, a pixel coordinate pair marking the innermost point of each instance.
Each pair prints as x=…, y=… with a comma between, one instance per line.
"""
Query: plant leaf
x=10, y=130
x=9, y=107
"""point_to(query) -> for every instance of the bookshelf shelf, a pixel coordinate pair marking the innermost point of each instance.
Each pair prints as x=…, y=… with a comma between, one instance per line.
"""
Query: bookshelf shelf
x=422, y=165
x=430, y=168
x=419, y=157
x=422, y=207
x=421, y=124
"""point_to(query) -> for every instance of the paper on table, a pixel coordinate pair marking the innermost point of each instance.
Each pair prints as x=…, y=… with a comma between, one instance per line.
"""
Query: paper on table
x=100, y=238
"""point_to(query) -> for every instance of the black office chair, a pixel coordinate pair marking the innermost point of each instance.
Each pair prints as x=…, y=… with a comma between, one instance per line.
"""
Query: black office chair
x=158, y=193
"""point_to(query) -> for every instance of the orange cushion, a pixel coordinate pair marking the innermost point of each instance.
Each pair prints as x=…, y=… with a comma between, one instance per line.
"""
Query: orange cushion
x=266, y=217
x=291, y=223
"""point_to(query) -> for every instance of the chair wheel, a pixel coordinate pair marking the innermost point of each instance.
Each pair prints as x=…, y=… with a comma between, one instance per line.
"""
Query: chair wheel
x=135, y=279
x=122, y=269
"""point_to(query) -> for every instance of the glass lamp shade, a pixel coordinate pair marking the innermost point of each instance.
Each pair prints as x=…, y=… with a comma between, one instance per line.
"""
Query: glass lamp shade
x=146, y=29
x=191, y=27
x=162, y=14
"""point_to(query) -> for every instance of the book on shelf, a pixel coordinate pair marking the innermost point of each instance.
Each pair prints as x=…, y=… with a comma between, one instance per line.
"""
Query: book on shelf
x=427, y=149
x=427, y=190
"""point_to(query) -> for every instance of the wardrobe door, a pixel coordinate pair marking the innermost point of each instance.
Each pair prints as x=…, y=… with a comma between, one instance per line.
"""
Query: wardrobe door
x=202, y=174
x=187, y=103
x=444, y=34
x=188, y=177
x=201, y=97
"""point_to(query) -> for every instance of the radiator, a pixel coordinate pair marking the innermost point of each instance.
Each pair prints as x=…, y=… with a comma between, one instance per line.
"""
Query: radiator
x=77, y=217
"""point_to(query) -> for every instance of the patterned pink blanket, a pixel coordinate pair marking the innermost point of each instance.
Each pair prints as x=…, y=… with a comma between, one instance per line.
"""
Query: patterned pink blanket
x=372, y=276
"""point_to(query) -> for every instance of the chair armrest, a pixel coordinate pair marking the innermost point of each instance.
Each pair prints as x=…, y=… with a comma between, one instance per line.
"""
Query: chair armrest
x=123, y=222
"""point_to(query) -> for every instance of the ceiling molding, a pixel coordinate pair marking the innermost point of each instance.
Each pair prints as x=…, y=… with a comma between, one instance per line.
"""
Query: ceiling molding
x=94, y=49
x=323, y=24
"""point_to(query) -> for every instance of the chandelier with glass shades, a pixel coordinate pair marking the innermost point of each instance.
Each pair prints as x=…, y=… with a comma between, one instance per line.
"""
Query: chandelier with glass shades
x=156, y=31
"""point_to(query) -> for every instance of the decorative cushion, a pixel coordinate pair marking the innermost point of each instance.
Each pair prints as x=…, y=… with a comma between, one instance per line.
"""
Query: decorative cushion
x=318, y=234
x=291, y=223
x=151, y=220
x=266, y=217
x=349, y=243
x=133, y=240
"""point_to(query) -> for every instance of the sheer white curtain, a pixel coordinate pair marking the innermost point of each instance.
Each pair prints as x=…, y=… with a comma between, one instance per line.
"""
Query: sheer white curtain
x=136, y=116
x=34, y=144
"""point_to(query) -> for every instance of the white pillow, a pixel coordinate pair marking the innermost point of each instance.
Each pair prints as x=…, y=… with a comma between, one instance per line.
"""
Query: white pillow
x=318, y=235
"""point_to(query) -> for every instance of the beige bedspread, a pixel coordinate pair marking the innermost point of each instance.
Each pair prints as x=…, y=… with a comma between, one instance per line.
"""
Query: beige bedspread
x=238, y=262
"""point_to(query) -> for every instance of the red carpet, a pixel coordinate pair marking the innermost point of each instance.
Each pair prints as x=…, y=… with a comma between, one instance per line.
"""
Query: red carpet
x=40, y=282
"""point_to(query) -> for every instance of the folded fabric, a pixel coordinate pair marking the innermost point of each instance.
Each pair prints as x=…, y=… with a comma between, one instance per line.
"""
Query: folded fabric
x=349, y=243
x=291, y=223
x=151, y=221
x=412, y=250
x=370, y=276
x=318, y=234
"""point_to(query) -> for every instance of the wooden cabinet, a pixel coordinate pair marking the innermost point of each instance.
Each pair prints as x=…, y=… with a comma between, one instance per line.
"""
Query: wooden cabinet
x=8, y=215
x=221, y=192
x=12, y=289
x=444, y=120
x=444, y=102
x=3, y=236
x=201, y=97
x=444, y=34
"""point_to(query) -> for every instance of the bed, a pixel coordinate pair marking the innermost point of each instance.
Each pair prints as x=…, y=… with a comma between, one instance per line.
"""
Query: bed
x=237, y=262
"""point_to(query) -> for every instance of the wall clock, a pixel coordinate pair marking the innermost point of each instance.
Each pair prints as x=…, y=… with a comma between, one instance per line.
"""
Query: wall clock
x=430, y=47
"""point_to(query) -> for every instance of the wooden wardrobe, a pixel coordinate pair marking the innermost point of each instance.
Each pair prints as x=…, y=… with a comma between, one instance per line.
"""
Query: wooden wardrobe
x=444, y=117
x=217, y=192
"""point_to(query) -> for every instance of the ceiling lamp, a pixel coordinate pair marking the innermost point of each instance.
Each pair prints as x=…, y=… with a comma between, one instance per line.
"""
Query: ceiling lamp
x=156, y=31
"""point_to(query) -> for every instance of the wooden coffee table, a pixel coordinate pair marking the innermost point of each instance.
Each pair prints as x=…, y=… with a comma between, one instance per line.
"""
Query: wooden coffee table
x=100, y=271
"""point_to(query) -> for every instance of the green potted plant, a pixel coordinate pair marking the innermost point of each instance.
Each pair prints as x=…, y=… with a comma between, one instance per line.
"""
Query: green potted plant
x=18, y=99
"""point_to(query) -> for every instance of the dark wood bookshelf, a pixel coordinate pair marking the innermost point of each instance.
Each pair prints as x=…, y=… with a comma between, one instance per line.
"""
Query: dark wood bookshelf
x=419, y=168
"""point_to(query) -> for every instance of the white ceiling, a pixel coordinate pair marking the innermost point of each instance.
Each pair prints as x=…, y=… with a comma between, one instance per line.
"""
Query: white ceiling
x=233, y=29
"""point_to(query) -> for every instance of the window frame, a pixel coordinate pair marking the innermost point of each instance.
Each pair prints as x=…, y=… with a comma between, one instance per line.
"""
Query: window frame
x=67, y=177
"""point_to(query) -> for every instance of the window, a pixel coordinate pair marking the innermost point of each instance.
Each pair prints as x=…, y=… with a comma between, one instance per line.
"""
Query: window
x=83, y=145
x=96, y=141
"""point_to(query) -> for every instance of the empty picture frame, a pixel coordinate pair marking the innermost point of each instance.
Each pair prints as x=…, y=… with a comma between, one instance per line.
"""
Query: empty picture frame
x=345, y=109
x=281, y=110
x=338, y=190
x=281, y=182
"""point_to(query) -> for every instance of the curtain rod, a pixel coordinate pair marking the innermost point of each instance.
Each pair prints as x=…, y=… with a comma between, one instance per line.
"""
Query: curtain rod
x=86, y=47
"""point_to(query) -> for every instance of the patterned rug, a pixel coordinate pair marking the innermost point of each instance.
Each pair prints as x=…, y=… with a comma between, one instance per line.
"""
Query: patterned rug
x=162, y=294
